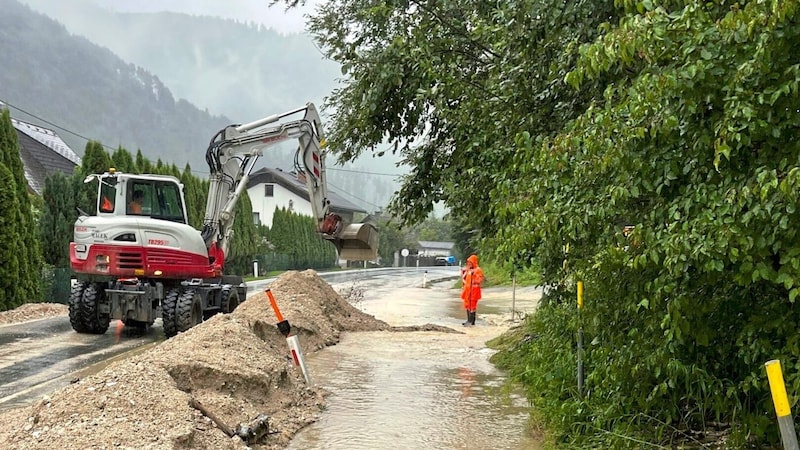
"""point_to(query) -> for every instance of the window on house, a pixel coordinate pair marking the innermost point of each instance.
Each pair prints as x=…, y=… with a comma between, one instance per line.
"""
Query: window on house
x=256, y=218
x=269, y=190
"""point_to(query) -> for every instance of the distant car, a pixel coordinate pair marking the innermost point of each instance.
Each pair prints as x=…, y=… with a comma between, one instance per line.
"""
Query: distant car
x=441, y=261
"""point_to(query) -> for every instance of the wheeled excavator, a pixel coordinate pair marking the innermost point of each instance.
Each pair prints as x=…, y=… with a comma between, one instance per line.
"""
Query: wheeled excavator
x=138, y=258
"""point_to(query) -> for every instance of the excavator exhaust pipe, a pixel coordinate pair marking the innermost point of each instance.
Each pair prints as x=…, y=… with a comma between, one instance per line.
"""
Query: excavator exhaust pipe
x=357, y=242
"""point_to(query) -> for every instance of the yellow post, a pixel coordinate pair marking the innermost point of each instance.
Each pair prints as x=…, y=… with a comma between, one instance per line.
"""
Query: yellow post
x=781, y=401
x=580, y=342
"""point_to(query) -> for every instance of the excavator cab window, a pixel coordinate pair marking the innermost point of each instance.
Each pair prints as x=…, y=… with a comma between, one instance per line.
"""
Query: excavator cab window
x=155, y=198
x=108, y=193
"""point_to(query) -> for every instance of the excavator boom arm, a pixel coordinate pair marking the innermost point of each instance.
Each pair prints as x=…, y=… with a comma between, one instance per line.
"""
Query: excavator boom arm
x=231, y=157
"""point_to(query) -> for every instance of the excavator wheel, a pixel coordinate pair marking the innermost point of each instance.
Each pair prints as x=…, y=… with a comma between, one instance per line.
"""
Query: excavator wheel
x=86, y=312
x=75, y=296
x=168, y=312
x=188, y=311
x=230, y=299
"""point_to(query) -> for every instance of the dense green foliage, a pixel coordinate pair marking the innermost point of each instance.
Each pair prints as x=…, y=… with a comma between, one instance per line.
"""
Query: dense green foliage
x=21, y=255
x=57, y=219
x=294, y=244
x=10, y=296
x=549, y=126
x=394, y=237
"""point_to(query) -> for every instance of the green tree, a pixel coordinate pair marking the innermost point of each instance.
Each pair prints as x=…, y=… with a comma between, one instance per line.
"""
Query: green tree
x=95, y=159
x=30, y=259
x=433, y=229
x=195, y=192
x=244, y=246
x=58, y=216
x=696, y=145
x=122, y=160
x=143, y=165
x=11, y=295
x=469, y=76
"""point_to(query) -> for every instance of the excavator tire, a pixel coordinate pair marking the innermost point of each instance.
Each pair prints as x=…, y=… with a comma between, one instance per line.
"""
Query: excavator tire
x=168, y=312
x=230, y=299
x=88, y=314
x=75, y=296
x=189, y=311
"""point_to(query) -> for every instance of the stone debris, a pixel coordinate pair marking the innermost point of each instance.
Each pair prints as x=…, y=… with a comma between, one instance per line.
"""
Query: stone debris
x=33, y=311
x=236, y=365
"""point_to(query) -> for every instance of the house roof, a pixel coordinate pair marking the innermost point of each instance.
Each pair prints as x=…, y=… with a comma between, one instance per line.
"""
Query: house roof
x=289, y=181
x=43, y=153
x=437, y=245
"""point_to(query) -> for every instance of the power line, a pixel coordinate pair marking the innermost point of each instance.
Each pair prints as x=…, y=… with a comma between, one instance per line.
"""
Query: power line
x=340, y=190
x=200, y=171
x=367, y=173
x=53, y=124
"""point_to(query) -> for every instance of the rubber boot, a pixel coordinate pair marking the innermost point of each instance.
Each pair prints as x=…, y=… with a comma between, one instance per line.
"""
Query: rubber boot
x=472, y=316
x=469, y=320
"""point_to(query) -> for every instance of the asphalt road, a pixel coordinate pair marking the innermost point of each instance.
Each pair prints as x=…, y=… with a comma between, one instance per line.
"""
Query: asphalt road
x=41, y=356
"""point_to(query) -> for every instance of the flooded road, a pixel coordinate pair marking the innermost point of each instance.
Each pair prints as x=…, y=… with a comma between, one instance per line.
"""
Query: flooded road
x=421, y=390
x=426, y=390
x=41, y=356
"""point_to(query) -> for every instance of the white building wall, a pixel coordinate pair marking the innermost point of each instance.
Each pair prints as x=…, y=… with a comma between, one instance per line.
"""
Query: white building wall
x=265, y=206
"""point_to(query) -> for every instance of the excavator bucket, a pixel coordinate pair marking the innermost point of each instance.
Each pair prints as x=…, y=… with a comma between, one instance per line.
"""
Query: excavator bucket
x=358, y=242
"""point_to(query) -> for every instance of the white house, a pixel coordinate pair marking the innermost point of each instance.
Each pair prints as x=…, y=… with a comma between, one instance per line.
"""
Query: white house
x=271, y=188
x=436, y=248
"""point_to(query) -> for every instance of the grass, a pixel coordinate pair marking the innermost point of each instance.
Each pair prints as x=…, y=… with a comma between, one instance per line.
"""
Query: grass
x=499, y=276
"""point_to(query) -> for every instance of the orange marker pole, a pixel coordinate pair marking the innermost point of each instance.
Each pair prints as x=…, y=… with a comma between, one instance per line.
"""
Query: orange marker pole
x=283, y=324
x=292, y=341
x=274, y=305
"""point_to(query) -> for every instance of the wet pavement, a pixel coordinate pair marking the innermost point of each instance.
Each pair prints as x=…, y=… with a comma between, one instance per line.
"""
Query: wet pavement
x=40, y=356
x=426, y=390
x=421, y=390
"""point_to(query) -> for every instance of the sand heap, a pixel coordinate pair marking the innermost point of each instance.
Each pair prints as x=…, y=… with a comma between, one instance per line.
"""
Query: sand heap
x=32, y=311
x=236, y=366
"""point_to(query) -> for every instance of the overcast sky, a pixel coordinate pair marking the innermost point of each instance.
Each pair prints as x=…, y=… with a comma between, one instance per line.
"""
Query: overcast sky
x=257, y=11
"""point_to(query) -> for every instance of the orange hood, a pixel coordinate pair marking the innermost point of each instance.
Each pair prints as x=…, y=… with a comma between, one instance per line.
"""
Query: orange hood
x=473, y=259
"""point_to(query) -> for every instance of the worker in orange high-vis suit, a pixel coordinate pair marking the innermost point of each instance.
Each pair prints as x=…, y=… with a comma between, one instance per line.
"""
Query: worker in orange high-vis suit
x=471, y=278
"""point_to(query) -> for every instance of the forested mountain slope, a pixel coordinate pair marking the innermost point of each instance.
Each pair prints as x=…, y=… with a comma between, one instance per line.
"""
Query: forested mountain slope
x=243, y=71
x=90, y=91
x=138, y=88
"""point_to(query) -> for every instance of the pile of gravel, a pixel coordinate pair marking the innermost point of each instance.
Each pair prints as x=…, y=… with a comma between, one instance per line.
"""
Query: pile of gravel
x=236, y=366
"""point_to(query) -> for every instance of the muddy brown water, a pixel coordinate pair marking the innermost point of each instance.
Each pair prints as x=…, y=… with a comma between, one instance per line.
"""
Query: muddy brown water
x=420, y=390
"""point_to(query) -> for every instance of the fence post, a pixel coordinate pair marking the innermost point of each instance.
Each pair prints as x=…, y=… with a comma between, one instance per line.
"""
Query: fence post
x=513, y=297
x=781, y=401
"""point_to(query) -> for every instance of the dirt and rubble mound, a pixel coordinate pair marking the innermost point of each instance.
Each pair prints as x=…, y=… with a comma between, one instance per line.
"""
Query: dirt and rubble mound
x=426, y=327
x=315, y=311
x=33, y=311
x=235, y=366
